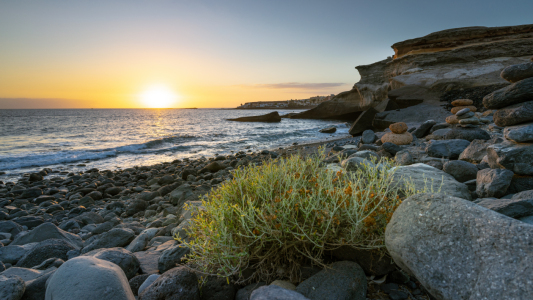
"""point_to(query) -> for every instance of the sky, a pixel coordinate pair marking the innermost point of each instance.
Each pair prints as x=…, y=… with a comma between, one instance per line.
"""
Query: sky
x=111, y=54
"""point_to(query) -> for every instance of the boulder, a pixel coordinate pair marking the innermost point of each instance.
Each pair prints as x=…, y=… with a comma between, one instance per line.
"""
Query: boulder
x=140, y=242
x=462, y=171
x=26, y=274
x=514, y=114
x=398, y=128
x=215, y=166
x=146, y=283
x=10, y=227
x=11, y=254
x=520, y=183
x=120, y=257
x=136, y=205
x=511, y=156
x=343, y=280
x=521, y=91
x=51, y=248
x=363, y=122
x=422, y=130
x=171, y=257
x=518, y=72
x=429, y=179
x=149, y=259
x=181, y=194
x=36, y=288
x=398, y=139
x=514, y=208
x=468, y=134
x=47, y=231
x=391, y=148
x=493, y=182
x=519, y=133
x=116, y=237
x=177, y=283
x=475, y=152
x=11, y=288
x=91, y=278
x=403, y=158
x=460, y=250
x=451, y=148
x=270, y=117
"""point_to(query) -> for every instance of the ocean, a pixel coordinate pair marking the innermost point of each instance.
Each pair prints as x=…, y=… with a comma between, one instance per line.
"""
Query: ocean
x=110, y=139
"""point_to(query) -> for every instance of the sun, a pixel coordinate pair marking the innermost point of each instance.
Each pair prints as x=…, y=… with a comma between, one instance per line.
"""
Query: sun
x=158, y=96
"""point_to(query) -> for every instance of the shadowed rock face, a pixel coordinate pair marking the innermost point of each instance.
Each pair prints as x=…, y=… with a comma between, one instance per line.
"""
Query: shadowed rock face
x=346, y=105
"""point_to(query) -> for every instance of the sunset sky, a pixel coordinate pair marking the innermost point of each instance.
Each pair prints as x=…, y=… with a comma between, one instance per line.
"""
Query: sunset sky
x=108, y=54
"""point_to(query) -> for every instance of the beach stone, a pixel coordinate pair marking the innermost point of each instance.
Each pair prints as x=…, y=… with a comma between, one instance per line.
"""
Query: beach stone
x=86, y=201
x=215, y=166
x=51, y=248
x=424, y=128
x=459, y=108
x=435, y=164
x=462, y=171
x=113, y=191
x=403, y=158
x=171, y=257
x=493, y=182
x=425, y=177
x=514, y=114
x=26, y=274
x=11, y=254
x=475, y=152
x=465, y=115
x=10, y=227
x=439, y=126
x=372, y=261
x=149, y=279
x=29, y=221
x=521, y=91
x=136, y=205
x=284, y=284
x=429, y=231
x=177, y=283
x=246, y=292
x=462, y=102
x=514, y=208
x=464, y=111
x=11, y=288
x=274, y=292
x=120, y=257
x=399, y=139
x=366, y=154
x=363, y=122
x=181, y=194
x=149, y=259
x=519, y=133
x=31, y=193
x=368, y=137
x=391, y=148
x=329, y=130
x=355, y=163
x=86, y=277
x=36, y=288
x=116, y=237
x=520, y=183
x=47, y=231
x=140, y=242
x=90, y=217
x=450, y=148
x=398, y=128
x=341, y=280
x=470, y=121
x=137, y=281
x=452, y=120
x=511, y=156
x=35, y=177
x=518, y=72
x=468, y=134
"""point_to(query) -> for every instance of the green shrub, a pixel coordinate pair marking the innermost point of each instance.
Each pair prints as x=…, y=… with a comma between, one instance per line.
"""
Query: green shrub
x=275, y=217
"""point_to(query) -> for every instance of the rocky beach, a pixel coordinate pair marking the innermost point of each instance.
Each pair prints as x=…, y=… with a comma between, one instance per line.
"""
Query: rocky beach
x=452, y=110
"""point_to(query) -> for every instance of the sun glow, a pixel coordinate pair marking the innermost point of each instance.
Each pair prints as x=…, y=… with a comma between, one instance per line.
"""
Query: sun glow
x=158, y=96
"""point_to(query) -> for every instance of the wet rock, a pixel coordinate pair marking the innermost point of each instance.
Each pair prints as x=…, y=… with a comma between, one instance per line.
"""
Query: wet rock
x=429, y=231
x=88, y=278
x=177, y=283
x=518, y=72
x=447, y=148
x=120, y=257
x=514, y=114
x=341, y=280
x=462, y=171
x=518, y=92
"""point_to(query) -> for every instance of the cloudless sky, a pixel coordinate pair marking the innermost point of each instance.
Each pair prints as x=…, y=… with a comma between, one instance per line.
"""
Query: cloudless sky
x=82, y=54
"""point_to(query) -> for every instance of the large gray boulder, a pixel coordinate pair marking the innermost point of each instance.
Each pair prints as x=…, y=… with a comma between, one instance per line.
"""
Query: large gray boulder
x=518, y=92
x=511, y=156
x=274, y=292
x=177, y=283
x=116, y=237
x=426, y=178
x=52, y=248
x=447, y=148
x=47, y=231
x=120, y=257
x=514, y=114
x=88, y=278
x=520, y=133
x=460, y=250
x=493, y=182
x=343, y=280
x=11, y=288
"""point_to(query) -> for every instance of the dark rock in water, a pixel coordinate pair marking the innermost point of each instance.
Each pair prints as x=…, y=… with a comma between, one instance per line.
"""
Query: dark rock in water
x=447, y=148
x=424, y=129
x=462, y=171
x=36, y=288
x=521, y=91
x=493, y=182
x=519, y=133
x=516, y=73
x=10, y=227
x=116, y=237
x=391, y=148
x=136, y=282
x=371, y=261
x=11, y=287
x=87, y=277
x=177, y=283
x=468, y=134
x=329, y=130
x=171, y=257
x=218, y=288
x=341, y=280
x=514, y=114
x=511, y=156
x=51, y=248
x=246, y=292
x=363, y=122
x=514, y=208
x=119, y=256
x=428, y=231
x=271, y=117
x=368, y=137
x=274, y=292
x=47, y=231
x=520, y=184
